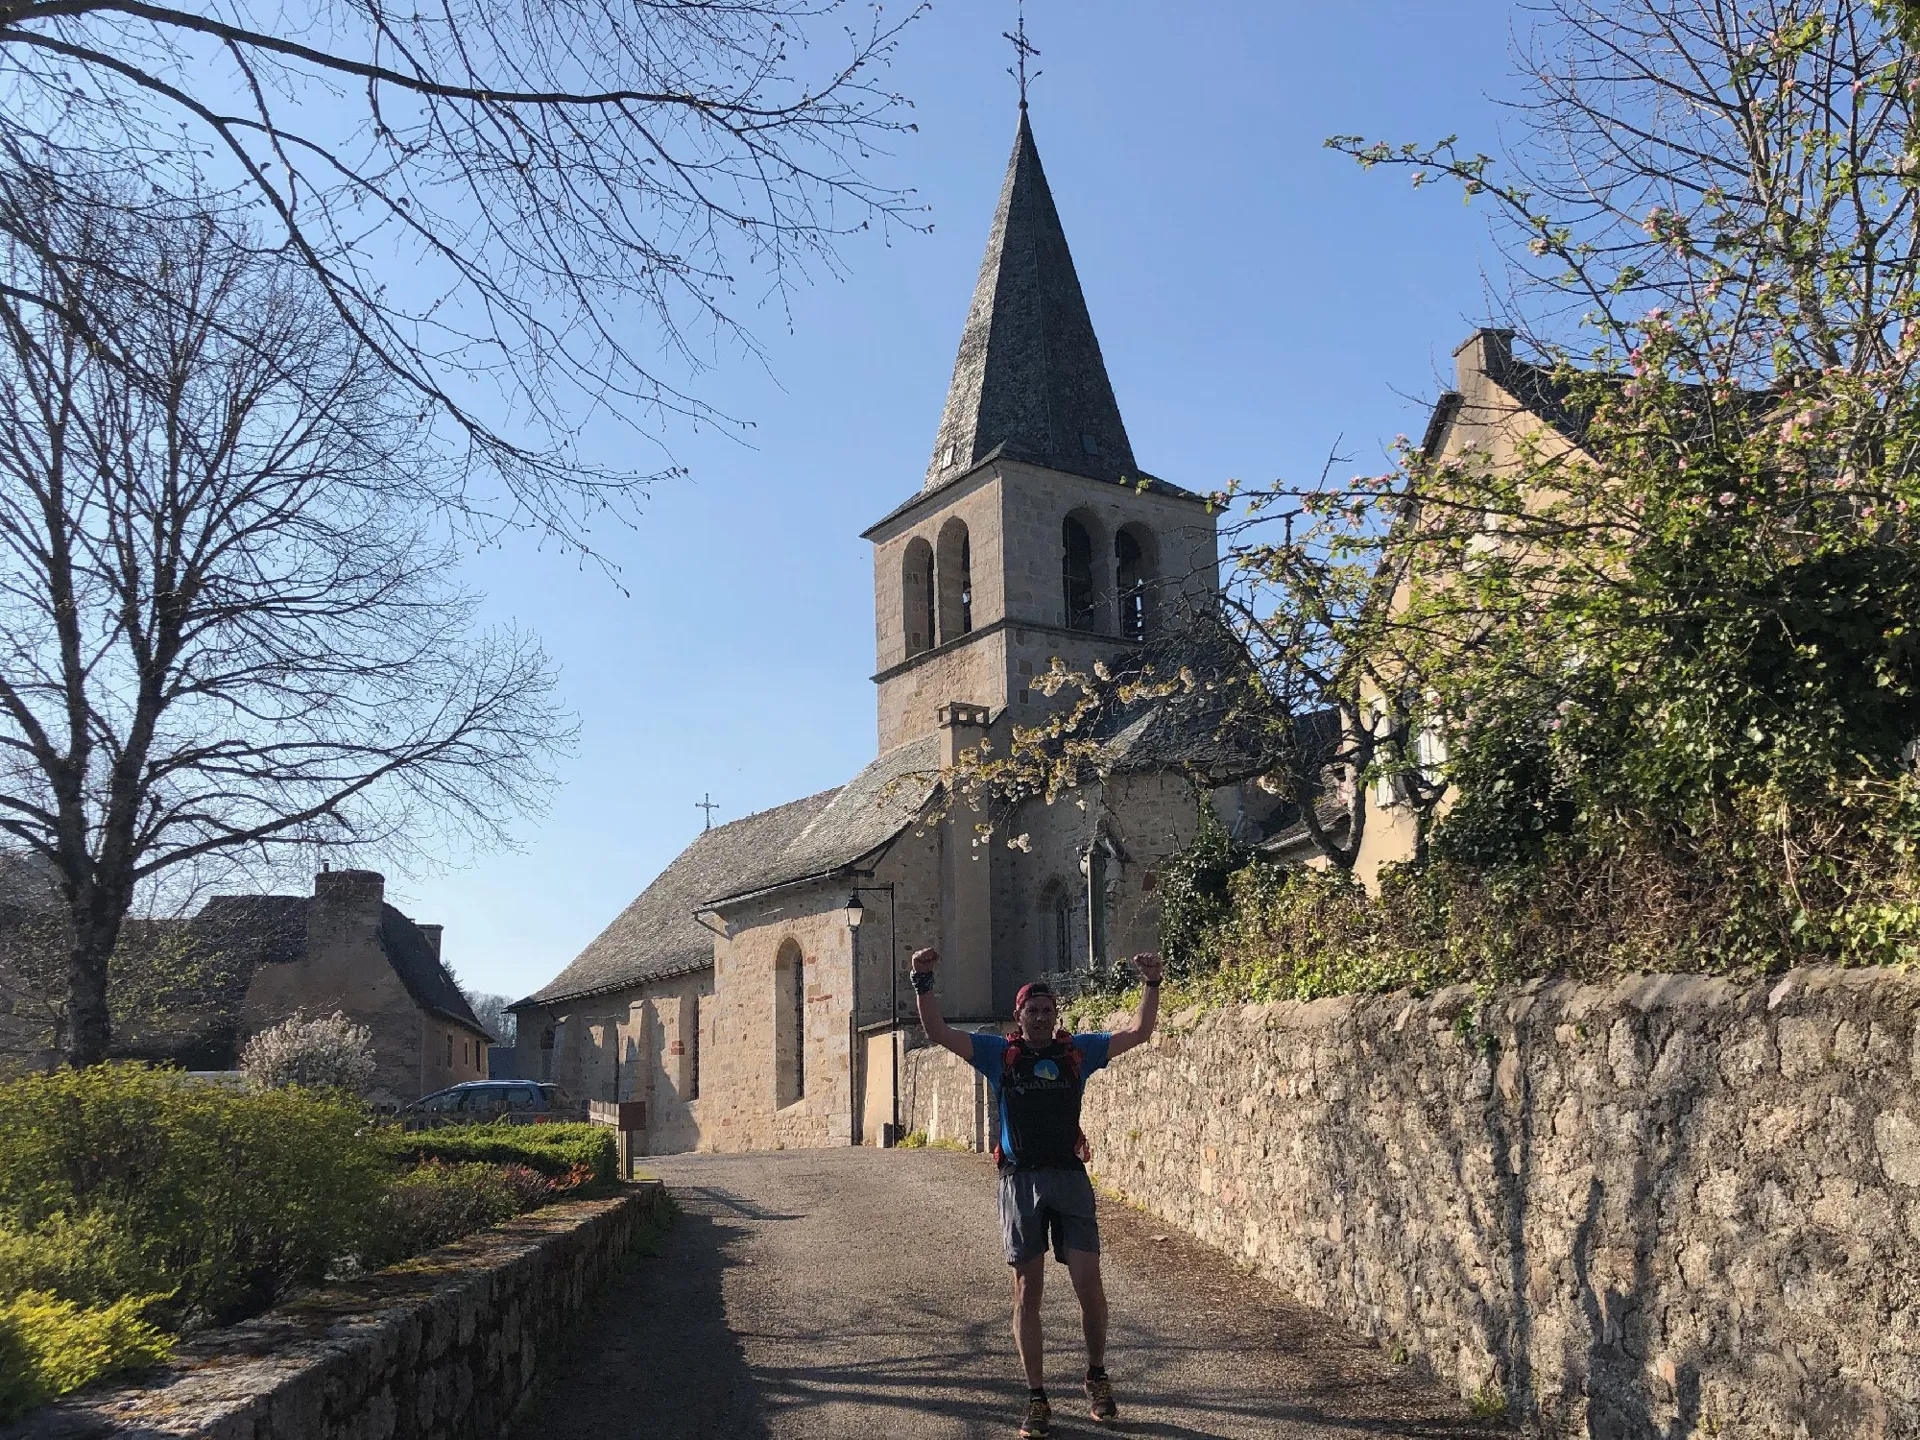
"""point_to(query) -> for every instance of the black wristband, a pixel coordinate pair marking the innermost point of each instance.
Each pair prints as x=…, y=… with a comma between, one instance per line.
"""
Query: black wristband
x=1153, y=984
x=922, y=982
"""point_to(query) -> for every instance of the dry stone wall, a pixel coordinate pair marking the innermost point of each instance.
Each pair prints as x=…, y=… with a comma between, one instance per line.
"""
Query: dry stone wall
x=1672, y=1207
x=446, y=1345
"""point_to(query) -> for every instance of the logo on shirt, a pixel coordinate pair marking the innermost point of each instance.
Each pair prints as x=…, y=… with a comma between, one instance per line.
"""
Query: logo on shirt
x=1046, y=1070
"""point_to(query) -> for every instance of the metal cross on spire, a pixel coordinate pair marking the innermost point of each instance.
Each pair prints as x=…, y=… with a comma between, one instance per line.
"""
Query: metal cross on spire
x=706, y=803
x=1021, y=50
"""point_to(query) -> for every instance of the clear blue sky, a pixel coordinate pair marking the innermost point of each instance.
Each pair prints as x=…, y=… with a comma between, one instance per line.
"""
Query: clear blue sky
x=1257, y=298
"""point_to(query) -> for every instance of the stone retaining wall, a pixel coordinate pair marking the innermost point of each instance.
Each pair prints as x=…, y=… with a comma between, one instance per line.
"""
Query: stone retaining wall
x=447, y=1344
x=1672, y=1207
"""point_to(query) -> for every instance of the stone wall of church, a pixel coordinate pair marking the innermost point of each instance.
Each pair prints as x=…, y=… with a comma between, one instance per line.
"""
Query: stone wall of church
x=746, y=1100
x=975, y=672
x=1670, y=1206
x=1147, y=817
x=640, y=1043
x=976, y=503
x=1013, y=514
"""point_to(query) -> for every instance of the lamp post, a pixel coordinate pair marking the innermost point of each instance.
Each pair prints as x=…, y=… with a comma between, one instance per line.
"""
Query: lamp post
x=856, y=912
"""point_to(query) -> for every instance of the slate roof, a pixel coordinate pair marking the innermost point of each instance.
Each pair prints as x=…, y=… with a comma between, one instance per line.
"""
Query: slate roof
x=657, y=936
x=1221, y=730
x=862, y=815
x=423, y=973
x=272, y=930
x=1029, y=380
x=268, y=929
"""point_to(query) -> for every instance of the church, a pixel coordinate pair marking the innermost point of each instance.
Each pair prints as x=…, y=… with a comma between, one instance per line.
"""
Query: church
x=754, y=995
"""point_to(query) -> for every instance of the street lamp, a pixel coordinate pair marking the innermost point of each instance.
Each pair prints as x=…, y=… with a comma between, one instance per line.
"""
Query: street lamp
x=855, y=913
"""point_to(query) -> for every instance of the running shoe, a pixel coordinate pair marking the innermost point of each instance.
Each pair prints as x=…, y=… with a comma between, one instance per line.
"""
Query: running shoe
x=1100, y=1399
x=1039, y=1422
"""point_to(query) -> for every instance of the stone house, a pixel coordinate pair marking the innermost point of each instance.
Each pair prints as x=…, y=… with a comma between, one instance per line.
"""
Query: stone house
x=344, y=948
x=1498, y=405
x=206, y=984
x=739, y=995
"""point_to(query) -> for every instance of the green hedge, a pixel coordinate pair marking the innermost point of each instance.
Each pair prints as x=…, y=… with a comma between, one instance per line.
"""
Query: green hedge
x=434, y=1203
x=122, y=1180
x=553, y=1150
x=134, y=1202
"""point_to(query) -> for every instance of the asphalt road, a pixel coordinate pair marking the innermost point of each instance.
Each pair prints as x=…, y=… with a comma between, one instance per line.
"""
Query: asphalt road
x=850, y=1293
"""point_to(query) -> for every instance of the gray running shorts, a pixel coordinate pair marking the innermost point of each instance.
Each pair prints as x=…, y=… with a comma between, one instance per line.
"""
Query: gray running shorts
x=1038, y=1204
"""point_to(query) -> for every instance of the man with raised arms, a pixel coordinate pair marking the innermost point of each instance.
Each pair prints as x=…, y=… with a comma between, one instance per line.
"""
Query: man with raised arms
x=1046, y=1200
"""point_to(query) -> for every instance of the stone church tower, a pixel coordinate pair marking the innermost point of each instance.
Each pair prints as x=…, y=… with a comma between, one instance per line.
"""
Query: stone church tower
x=743, y=996
x=1035, y=534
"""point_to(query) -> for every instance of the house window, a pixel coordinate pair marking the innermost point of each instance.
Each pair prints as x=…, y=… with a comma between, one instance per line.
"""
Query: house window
x=449, y=1049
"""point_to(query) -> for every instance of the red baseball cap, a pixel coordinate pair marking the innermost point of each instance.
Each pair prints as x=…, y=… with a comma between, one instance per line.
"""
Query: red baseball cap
x=1028, y=991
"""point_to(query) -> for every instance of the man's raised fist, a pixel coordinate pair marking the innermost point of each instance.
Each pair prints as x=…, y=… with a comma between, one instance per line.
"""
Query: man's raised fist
x=1148, y=964
x=925, y=959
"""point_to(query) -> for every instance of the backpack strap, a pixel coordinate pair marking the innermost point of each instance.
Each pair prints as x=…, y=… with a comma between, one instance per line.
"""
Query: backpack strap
x=1009, y=1061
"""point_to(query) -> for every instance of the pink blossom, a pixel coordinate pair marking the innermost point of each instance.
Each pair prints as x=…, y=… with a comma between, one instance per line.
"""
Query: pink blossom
x=1726, y=497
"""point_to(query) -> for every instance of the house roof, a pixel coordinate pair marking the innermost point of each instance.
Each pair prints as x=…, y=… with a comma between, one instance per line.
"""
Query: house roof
x=1029, y=379
x=267, y=929
x=422, y=971
x=861, y=817
x=272, y=930
x=657, y=936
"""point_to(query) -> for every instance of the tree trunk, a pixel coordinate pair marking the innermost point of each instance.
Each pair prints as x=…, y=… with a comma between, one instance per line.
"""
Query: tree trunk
x=89, y=1028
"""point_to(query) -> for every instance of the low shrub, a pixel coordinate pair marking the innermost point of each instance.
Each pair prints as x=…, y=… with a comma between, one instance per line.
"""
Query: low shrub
x=435, y=1203
x=557, y=1151
x=49, y=1346
x=91, y=1260
x=220, y=1202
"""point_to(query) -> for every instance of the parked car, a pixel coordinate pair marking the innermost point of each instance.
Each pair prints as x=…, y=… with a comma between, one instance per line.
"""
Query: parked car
x=475, y=1102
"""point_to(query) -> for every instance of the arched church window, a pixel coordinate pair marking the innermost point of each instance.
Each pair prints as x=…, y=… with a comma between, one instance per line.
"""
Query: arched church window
x=1133, y=570
x=916, y=596
x=1076, y=574
x=790, y=1024
x=956, y=581
x=1063, y=929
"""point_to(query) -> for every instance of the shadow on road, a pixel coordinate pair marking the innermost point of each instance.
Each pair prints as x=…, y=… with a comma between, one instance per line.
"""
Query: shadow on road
x=655, y=1357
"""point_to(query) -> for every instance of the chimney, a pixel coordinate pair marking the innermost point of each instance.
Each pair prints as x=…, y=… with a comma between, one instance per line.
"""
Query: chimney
x=1485, y=352
x=962, y=726
x=433, y=934
x=345, y=909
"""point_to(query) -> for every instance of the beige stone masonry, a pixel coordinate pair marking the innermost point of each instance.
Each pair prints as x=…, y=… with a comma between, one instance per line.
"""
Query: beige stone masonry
x=447, y=1344
x=1673, y=1206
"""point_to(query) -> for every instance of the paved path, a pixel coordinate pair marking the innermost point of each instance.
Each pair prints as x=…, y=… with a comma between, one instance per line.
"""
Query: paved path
x=853, y=1293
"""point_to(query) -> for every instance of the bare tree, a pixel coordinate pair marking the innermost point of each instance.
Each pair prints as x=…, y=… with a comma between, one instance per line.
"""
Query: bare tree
x=226, y=626
x=519, y=207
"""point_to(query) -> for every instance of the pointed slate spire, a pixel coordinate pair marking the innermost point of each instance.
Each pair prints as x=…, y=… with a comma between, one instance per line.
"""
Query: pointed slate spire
x=1029, y=380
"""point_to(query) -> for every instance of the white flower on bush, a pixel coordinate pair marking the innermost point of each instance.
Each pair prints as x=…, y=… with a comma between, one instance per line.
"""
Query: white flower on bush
x=328, y=1052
